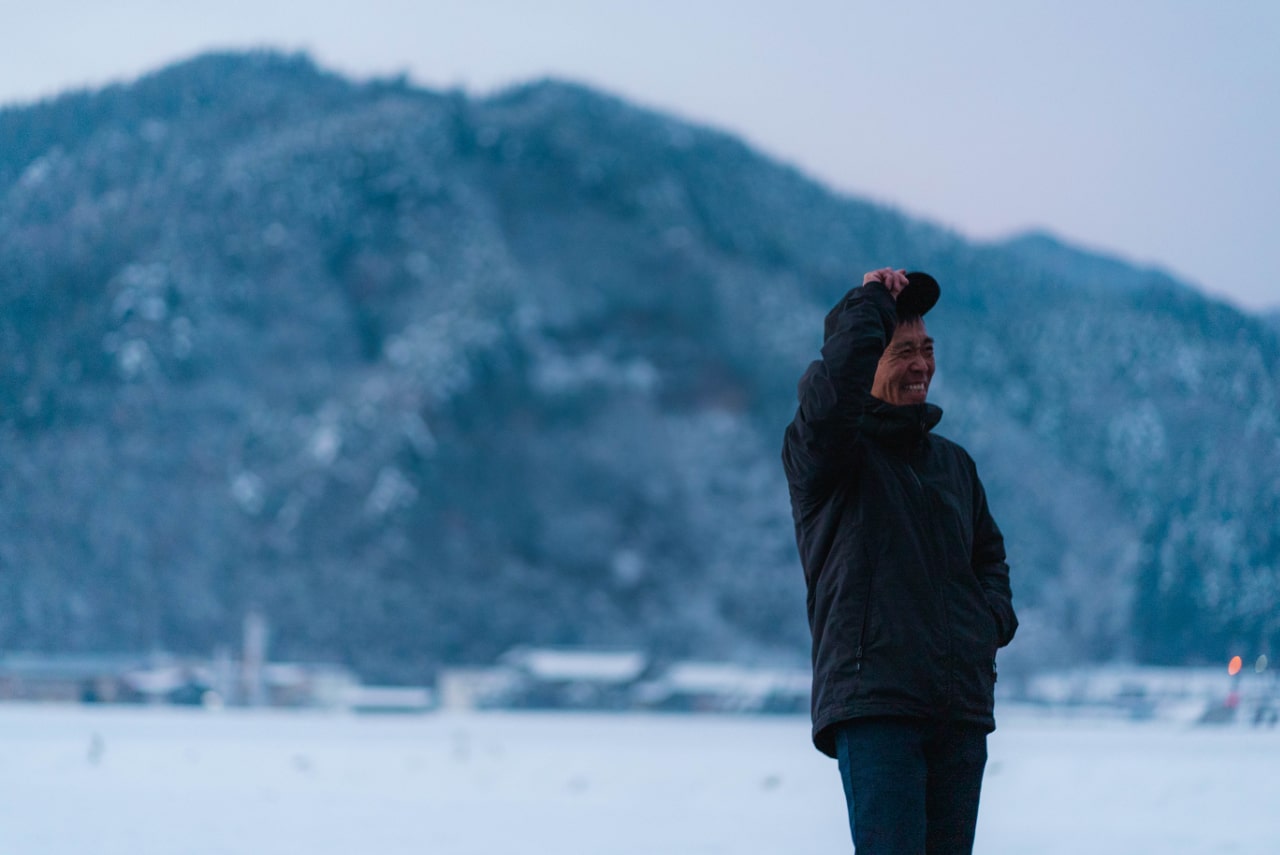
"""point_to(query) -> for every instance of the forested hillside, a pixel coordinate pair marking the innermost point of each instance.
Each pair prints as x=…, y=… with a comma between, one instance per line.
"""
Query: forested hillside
x=423, y=376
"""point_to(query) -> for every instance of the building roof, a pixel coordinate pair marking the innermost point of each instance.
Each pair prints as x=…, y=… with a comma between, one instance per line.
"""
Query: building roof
x=578, y=664
x=75, y=666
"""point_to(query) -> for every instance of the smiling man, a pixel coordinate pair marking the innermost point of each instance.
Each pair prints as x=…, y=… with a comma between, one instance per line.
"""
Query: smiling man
x=906, y=368
x=908, y=589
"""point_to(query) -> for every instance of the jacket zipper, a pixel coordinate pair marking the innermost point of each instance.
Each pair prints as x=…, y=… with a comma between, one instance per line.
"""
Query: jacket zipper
x=866, y=619
x=933, y=558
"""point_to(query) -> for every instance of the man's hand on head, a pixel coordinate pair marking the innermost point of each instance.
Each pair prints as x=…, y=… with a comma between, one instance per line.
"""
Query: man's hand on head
x=892, y=280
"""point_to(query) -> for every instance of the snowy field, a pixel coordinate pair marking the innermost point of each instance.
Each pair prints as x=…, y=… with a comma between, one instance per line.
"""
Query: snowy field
x=170, y=782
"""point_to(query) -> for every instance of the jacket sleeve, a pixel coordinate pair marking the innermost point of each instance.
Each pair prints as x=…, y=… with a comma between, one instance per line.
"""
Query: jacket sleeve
x=989, y=563
x=835, y=389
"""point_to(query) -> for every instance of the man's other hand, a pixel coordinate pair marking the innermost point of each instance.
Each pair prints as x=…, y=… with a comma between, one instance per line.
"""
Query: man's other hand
x=892, y=280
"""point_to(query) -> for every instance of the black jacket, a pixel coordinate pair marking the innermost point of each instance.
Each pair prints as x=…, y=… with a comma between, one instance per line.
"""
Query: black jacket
x=908, y=589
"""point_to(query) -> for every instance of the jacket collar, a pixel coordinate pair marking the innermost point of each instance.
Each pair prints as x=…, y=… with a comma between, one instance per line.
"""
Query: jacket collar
x=898, y=423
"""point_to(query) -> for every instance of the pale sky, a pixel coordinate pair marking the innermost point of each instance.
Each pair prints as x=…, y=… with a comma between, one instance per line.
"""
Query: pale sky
x=1148, y=129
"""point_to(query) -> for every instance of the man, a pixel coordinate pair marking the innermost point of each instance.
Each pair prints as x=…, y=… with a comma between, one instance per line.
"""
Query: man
x=908, y=589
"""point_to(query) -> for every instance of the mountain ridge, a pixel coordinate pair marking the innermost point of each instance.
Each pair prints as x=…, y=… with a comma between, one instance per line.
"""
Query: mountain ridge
x=422, y=376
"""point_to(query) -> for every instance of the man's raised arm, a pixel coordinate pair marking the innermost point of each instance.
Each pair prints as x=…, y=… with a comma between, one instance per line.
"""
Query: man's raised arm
x=835, y=389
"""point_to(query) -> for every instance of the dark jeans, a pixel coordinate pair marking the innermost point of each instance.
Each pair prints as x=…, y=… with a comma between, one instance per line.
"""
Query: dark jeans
x=912, y=785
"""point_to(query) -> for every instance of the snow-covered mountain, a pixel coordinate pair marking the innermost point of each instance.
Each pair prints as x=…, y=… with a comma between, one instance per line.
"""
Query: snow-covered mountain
x=423, y=376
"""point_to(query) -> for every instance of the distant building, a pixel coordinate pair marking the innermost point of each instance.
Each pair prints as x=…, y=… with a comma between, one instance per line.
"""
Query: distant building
x=1204, y=694
x=87, y=678
x=573, y=678
x=389, y=699
x=477, y=688
x=306, y=684
x=1118, y=684
x=182, y=683
x=726, y=688
x=160, y=678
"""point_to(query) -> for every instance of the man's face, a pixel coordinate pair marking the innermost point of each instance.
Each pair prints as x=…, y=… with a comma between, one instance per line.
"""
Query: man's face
x=906, y=368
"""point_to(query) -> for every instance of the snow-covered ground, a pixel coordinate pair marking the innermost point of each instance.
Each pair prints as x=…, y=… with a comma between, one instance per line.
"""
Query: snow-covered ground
x=169, y=782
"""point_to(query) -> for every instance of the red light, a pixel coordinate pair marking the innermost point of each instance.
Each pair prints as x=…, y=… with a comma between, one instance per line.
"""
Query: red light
x=1233, y=667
